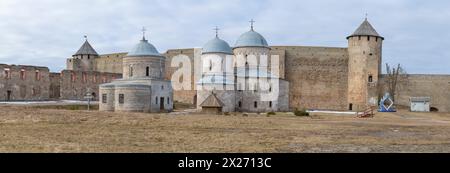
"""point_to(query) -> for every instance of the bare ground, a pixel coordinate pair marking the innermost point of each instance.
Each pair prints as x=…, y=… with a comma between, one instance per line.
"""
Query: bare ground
x=28, y=129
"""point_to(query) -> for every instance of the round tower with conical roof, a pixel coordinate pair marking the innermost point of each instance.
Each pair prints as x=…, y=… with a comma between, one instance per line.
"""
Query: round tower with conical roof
x=83, y=59
x=364, y=69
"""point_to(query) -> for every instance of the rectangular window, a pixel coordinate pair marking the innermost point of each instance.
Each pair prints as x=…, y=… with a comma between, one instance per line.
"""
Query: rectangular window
x=104, y=97
x=370, y=79
x=240, y=104
x=121, y=98
x=156, y=100
x=256, y=104
x=270, y=104
x=168, y=100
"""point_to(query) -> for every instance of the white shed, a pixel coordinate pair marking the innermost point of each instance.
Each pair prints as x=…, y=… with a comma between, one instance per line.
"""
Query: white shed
x=420, y=104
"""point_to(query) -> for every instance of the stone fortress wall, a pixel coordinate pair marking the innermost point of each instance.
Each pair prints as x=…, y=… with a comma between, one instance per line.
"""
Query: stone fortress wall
x=423, y=85
x=318, y=79
x=184, y=96
x=324, y=78
x=110, y=63
x=24, y=83
x=76, y=84
x=317, y=76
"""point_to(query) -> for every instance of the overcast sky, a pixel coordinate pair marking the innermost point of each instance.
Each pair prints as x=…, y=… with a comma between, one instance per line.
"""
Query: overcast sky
x=46, y=32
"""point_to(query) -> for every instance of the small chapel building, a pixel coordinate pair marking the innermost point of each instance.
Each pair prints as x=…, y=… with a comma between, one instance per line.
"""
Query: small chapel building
x=143, y=88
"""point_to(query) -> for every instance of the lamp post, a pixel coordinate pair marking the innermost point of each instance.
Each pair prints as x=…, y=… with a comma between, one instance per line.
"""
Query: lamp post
x=89, y=98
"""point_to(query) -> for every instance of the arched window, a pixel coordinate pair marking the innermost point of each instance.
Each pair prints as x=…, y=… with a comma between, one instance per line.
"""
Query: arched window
x=131, y=71
x=37, y=76
x=210, y=65
x=370, y=78
x=147, y=71
x=22, y=74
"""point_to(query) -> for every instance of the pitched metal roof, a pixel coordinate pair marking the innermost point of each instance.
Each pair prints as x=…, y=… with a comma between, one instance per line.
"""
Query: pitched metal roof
x=212, y=102
x=86, y=49
x=365, y=29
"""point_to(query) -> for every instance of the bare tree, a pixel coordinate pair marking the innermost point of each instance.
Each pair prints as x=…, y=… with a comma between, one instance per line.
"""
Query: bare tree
x=395, y=79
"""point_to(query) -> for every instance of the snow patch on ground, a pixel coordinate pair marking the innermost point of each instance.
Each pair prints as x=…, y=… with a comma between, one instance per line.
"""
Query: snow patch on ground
x=333, y=112
x=61, y=102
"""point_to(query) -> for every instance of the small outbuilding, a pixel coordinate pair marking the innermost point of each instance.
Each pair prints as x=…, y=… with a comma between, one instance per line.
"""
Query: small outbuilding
x=212, y=105
x=420, y=104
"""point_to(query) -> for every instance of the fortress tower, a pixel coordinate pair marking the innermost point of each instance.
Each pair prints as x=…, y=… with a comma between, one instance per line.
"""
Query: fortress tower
x=365, y=56
x=84, y=59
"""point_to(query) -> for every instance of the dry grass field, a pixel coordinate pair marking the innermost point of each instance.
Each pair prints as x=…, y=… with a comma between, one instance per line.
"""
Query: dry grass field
x=47, y=129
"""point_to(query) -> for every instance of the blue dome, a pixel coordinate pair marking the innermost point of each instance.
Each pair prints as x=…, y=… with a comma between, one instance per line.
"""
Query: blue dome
x=251, y=39
x=144, y=49
x=217, y=45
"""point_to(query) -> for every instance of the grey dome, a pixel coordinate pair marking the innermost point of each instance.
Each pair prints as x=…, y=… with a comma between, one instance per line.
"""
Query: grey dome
x=251, y=39
x=217, y=45
x=144, y=48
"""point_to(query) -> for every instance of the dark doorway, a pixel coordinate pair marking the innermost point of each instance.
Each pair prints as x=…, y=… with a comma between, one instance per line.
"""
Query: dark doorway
x=8, y=95
x=433, y=109
x=195, y=100
x=350, y=107
x=161, y=104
